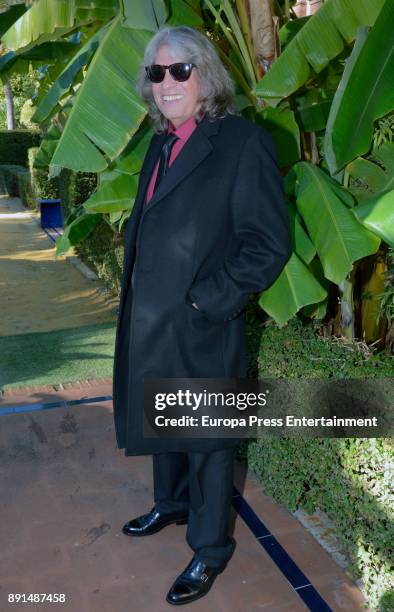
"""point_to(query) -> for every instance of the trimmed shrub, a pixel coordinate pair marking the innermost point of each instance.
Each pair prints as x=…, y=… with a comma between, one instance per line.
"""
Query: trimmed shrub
x=25, y=190
x=65, y=182
x=14, y=145
x=9, y=178
x=42, y=187
x=350, y=479
x=100, y=252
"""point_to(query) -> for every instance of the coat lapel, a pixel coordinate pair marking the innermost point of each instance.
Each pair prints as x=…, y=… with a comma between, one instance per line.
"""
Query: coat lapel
x=194, y=151
x=197, y=147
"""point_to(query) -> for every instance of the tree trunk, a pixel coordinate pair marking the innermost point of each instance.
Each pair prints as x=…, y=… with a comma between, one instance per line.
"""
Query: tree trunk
x=262, y=27
x=347, y=306
x=9, y=99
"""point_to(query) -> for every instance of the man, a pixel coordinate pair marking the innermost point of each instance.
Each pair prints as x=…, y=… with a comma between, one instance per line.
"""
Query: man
x=209, y=226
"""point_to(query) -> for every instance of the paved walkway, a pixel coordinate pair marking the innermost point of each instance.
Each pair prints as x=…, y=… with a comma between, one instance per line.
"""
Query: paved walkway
x=39, y=292
x=70, y=490
x=67, y=490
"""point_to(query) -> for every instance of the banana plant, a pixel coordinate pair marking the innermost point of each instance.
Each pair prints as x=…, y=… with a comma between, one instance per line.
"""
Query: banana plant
x=48, y=20
x=365, y=94
x=291, y=81
x=376, y=214
x=322, y=38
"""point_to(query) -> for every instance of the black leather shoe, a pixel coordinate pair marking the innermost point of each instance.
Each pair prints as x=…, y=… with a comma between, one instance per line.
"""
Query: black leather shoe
x=194, y=582
x=152, y=522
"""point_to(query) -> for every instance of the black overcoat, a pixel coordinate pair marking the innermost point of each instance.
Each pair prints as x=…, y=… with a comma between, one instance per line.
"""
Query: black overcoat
x=215, y=230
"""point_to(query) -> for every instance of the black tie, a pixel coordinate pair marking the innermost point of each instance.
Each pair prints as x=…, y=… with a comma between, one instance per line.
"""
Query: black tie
x=164, y=158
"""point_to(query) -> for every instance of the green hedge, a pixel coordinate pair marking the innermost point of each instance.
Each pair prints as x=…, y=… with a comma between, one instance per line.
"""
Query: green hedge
x=99, y=250
x=42, y=187
x=348, y=478
x=14, y=145
x=25, y=190
x=9, y=178
x=28, y=184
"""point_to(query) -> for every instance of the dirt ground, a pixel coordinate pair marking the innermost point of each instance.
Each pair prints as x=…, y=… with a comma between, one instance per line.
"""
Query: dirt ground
x=33, y=281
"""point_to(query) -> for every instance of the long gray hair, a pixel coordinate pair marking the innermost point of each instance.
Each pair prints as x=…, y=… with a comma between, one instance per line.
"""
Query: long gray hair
x=217, y=87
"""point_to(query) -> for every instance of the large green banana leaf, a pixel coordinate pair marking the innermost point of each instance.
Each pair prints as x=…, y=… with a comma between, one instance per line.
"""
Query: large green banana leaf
x=365, y=93
x=321, y=39
x=50, y=19
x=146, y=15
x=51, y=139
x=113, y=196
x=132, y=157
x=337, y=235
x=283, y=127
x=302, y=244
x=183, y=13
x=377, y=214
x=78, y=230
x=318, y=310
x=294, y=288
x=107, y=111
x=370, y=178
x=290, y=29
x=118, y=185
x=47, y=148
x=313, y=107
x=67, y=76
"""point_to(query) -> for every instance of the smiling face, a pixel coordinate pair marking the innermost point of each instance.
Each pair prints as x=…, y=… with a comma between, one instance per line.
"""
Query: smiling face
x=178, y=101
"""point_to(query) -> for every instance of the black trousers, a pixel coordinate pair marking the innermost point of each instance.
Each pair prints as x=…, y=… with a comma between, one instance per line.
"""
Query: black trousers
x=201, y=484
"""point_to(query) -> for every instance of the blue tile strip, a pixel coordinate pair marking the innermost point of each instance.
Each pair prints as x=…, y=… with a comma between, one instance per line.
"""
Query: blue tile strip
x=59, y=404
x=300, y=583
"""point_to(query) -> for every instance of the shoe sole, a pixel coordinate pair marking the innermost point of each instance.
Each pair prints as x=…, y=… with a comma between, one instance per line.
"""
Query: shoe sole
x=182, y=603
x=140, y=535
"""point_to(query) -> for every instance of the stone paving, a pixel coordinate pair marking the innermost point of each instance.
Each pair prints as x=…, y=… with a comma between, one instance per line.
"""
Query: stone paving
x=70, y=490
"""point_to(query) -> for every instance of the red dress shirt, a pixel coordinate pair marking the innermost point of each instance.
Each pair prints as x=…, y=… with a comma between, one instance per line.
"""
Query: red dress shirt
x=183, y=132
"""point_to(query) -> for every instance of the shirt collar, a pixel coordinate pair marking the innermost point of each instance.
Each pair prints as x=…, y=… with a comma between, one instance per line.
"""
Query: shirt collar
x=184, y=130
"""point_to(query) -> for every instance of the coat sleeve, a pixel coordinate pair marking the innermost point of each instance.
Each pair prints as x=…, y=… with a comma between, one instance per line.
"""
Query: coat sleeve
x=262, y=231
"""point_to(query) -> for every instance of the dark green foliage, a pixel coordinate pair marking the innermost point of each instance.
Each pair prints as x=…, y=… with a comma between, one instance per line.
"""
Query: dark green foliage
x=101, y=253
x=14, y=145
x=348, y=478
x=25, y=190
x=65, y=181
x=9, y=178
x=42, y=187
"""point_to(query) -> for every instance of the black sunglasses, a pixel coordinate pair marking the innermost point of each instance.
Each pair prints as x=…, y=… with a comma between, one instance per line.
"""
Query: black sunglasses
x=180, y=71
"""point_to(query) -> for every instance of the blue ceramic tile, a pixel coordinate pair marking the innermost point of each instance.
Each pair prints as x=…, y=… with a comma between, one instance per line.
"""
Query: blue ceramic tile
x=48, y=405
x=304, y=589
x=285, y=563
x=250, y=517
x=313, y=600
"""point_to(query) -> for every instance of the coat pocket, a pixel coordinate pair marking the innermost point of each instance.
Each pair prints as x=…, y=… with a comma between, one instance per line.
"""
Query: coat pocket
x=199, y=343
